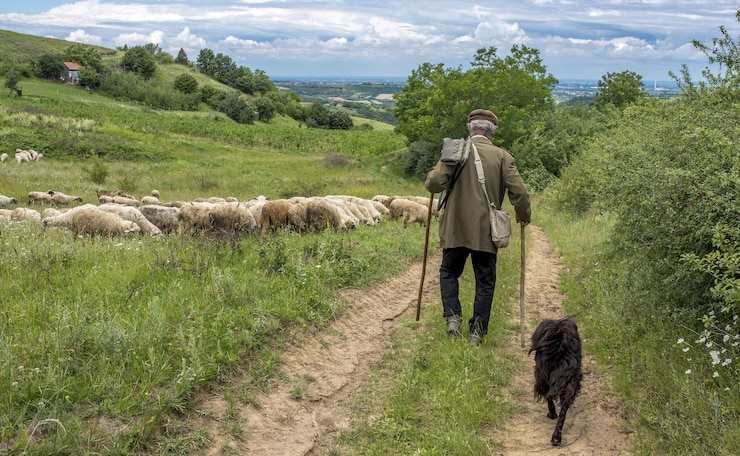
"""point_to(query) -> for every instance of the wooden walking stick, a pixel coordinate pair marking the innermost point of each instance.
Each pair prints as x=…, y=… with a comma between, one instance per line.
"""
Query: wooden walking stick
x=521, y=286
x=426, y=252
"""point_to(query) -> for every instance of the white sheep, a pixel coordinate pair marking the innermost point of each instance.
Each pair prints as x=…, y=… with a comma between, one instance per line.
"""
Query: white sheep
x=115, y=199
x=61, y=198
x=88, y=219
x=22, y=156
x=150, y=200
x=155, y=193
x=132, y=214
x=6, y=201
x=21, y=214
x=5, y=215
x=3, y=158
x=165, y=218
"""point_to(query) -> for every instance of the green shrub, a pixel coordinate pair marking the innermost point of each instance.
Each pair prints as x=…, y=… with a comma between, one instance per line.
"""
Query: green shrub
x=97, y=172
x=131, y=86
x=186, y=83
x=265, y=109
x=89, y=77
x=49, y=66
x=235, y=106
x=419, y=157
x=339, y=120
x=140, y=61
x=207, y=92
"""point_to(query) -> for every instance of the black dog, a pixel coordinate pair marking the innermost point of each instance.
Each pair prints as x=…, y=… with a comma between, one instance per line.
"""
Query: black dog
x=557, y=372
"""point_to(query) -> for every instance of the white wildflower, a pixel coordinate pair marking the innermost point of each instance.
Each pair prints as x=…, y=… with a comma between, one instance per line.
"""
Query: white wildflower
x=715, y=374
x=14, y=384
x=688, y=371
x=715, y=357
x=728, y=327
x=685, y=349
x=726, y=362
x=680, y=340
x=709, y=344
x=726, y=338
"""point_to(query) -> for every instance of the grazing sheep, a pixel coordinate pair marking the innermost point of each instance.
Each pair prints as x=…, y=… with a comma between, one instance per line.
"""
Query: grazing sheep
x=383, y=199
x=424, y=201
x=177, y=204
x=40, y=197
x=276, y=215
x=155, y=193
x=132, y=214
x=22, y=156
x=100, y=193
x=150, y=200
x=255, y=208
x=6, y=201
x=50, y=212
x=297, y=216
x=212, y=199
x=91, y=220
x=3, y=158
x=123, y=200
x=380, y=207
x=167, y=219
x=196, y=216
x=232, y=199
x=410, y=211
x=232, y=217
x=321, y=214
x=5, y=215
x=21, y=214
x=62, y=199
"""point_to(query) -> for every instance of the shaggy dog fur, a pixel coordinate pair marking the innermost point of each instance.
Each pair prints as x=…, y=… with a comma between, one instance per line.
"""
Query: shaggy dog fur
x=557, y=373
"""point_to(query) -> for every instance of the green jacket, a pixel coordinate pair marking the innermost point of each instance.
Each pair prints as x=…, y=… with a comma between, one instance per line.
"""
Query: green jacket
x=464, y=221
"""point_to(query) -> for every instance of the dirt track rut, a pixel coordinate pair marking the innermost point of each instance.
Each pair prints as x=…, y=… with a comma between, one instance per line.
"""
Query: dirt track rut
x=302, y=413
x=594, y=425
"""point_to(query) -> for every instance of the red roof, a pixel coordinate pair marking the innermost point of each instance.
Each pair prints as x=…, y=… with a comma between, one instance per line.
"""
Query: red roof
x=72, y=66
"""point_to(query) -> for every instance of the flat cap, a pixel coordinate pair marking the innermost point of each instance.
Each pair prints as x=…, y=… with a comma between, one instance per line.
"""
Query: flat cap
x=483, y=114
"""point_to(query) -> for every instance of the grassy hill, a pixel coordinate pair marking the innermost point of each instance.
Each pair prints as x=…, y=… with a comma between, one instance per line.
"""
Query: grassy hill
x=22, y=48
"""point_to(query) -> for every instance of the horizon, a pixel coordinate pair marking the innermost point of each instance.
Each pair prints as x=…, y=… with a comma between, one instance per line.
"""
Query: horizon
x=356, y=39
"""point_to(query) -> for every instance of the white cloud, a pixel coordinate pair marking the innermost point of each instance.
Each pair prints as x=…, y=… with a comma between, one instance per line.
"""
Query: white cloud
x=96, y=12
x=81, y=36
x=186, y=39
x=136, y=39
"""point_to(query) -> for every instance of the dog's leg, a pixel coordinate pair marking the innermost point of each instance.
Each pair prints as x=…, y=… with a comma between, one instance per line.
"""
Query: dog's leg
x=551, y=412
x=557, y=434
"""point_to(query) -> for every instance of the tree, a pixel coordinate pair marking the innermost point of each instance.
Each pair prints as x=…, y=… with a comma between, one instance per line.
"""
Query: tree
x=86, y=56
x=186, y=83
x=262, y=82
x=182, y=58
x=90, y=78
x=340, y=120
x=206, y=61
x=139, y=60
x=619, y=89
x=265, y=109
x=436, y=100
x=12, y=77
x=49, y=66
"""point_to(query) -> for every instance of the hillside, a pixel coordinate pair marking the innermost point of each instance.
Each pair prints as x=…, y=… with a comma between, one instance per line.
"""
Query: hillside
x=21, y=48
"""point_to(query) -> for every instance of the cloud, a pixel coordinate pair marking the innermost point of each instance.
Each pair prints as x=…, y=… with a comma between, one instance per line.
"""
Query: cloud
x=188, y=40
x=136, y=39
x=81, y=36
x=96, y=12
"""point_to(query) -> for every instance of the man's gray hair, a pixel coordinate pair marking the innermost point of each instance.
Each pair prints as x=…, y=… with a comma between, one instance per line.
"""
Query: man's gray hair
x=481, y=124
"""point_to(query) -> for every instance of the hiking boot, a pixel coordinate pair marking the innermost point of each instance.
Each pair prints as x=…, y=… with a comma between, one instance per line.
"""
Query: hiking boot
x=476, y=335
x=453, y=325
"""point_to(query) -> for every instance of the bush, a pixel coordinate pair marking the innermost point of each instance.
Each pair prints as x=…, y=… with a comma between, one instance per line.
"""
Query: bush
x=619, y=89
x=419, y=158
x=340, y=120
x=49, y=66
x=12, y=77
x=265, y=109
x=186, y=83
x=236, y=107
x=89, y=77
x=140, y=61
x=98, y=172
x=130, y=86
x=207, y=92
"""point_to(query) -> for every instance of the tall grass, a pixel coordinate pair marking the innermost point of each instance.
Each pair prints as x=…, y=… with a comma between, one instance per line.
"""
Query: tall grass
x=127, y=330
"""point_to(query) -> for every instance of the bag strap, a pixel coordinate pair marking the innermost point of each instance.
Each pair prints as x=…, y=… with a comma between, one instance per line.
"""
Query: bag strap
x=481, y=176
x=458, y=170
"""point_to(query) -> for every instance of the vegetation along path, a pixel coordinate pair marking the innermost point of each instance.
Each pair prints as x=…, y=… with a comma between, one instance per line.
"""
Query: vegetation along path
x=303, y=411
x=594, y=425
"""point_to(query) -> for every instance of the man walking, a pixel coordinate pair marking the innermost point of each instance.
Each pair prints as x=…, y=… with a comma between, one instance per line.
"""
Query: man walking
x=464, y=226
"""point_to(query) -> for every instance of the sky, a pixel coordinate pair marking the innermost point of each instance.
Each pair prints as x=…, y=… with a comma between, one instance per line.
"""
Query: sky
x=355, y=38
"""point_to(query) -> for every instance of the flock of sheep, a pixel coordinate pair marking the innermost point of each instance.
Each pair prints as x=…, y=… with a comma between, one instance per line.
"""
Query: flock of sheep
x=119, y=213
x=22, y=156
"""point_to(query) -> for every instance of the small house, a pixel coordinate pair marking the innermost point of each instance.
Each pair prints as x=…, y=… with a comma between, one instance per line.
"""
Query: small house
x=71, y=72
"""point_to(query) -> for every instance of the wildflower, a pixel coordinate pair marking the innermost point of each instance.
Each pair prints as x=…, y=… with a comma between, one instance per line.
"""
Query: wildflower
x=726, y=362
x=680, y=340
x=688, y=371
x=715, y=374
x=14, y=384
x=726, y=338
x=685, y=349
x=20, y=368
x=728, y=327
x=709, y=344
x=702, y=339
x=715, y=357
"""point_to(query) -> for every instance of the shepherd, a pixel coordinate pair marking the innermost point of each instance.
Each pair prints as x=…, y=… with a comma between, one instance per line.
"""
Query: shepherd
x=471, y=188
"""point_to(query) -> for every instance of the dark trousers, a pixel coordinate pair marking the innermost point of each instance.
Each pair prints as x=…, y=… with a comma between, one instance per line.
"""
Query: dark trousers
x=484, y=267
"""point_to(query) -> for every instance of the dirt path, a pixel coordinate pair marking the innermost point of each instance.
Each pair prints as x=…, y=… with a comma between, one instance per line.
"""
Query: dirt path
x=594, y=425
x=303, y=412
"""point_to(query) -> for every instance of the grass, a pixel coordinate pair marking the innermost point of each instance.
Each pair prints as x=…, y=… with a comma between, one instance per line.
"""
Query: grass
x=672, y=412
x=105, y=342
x=432, y=395
x=22, y=48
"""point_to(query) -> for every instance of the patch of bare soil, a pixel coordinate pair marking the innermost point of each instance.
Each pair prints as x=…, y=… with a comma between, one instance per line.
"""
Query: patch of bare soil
x=303, y=412
x=594, y=425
